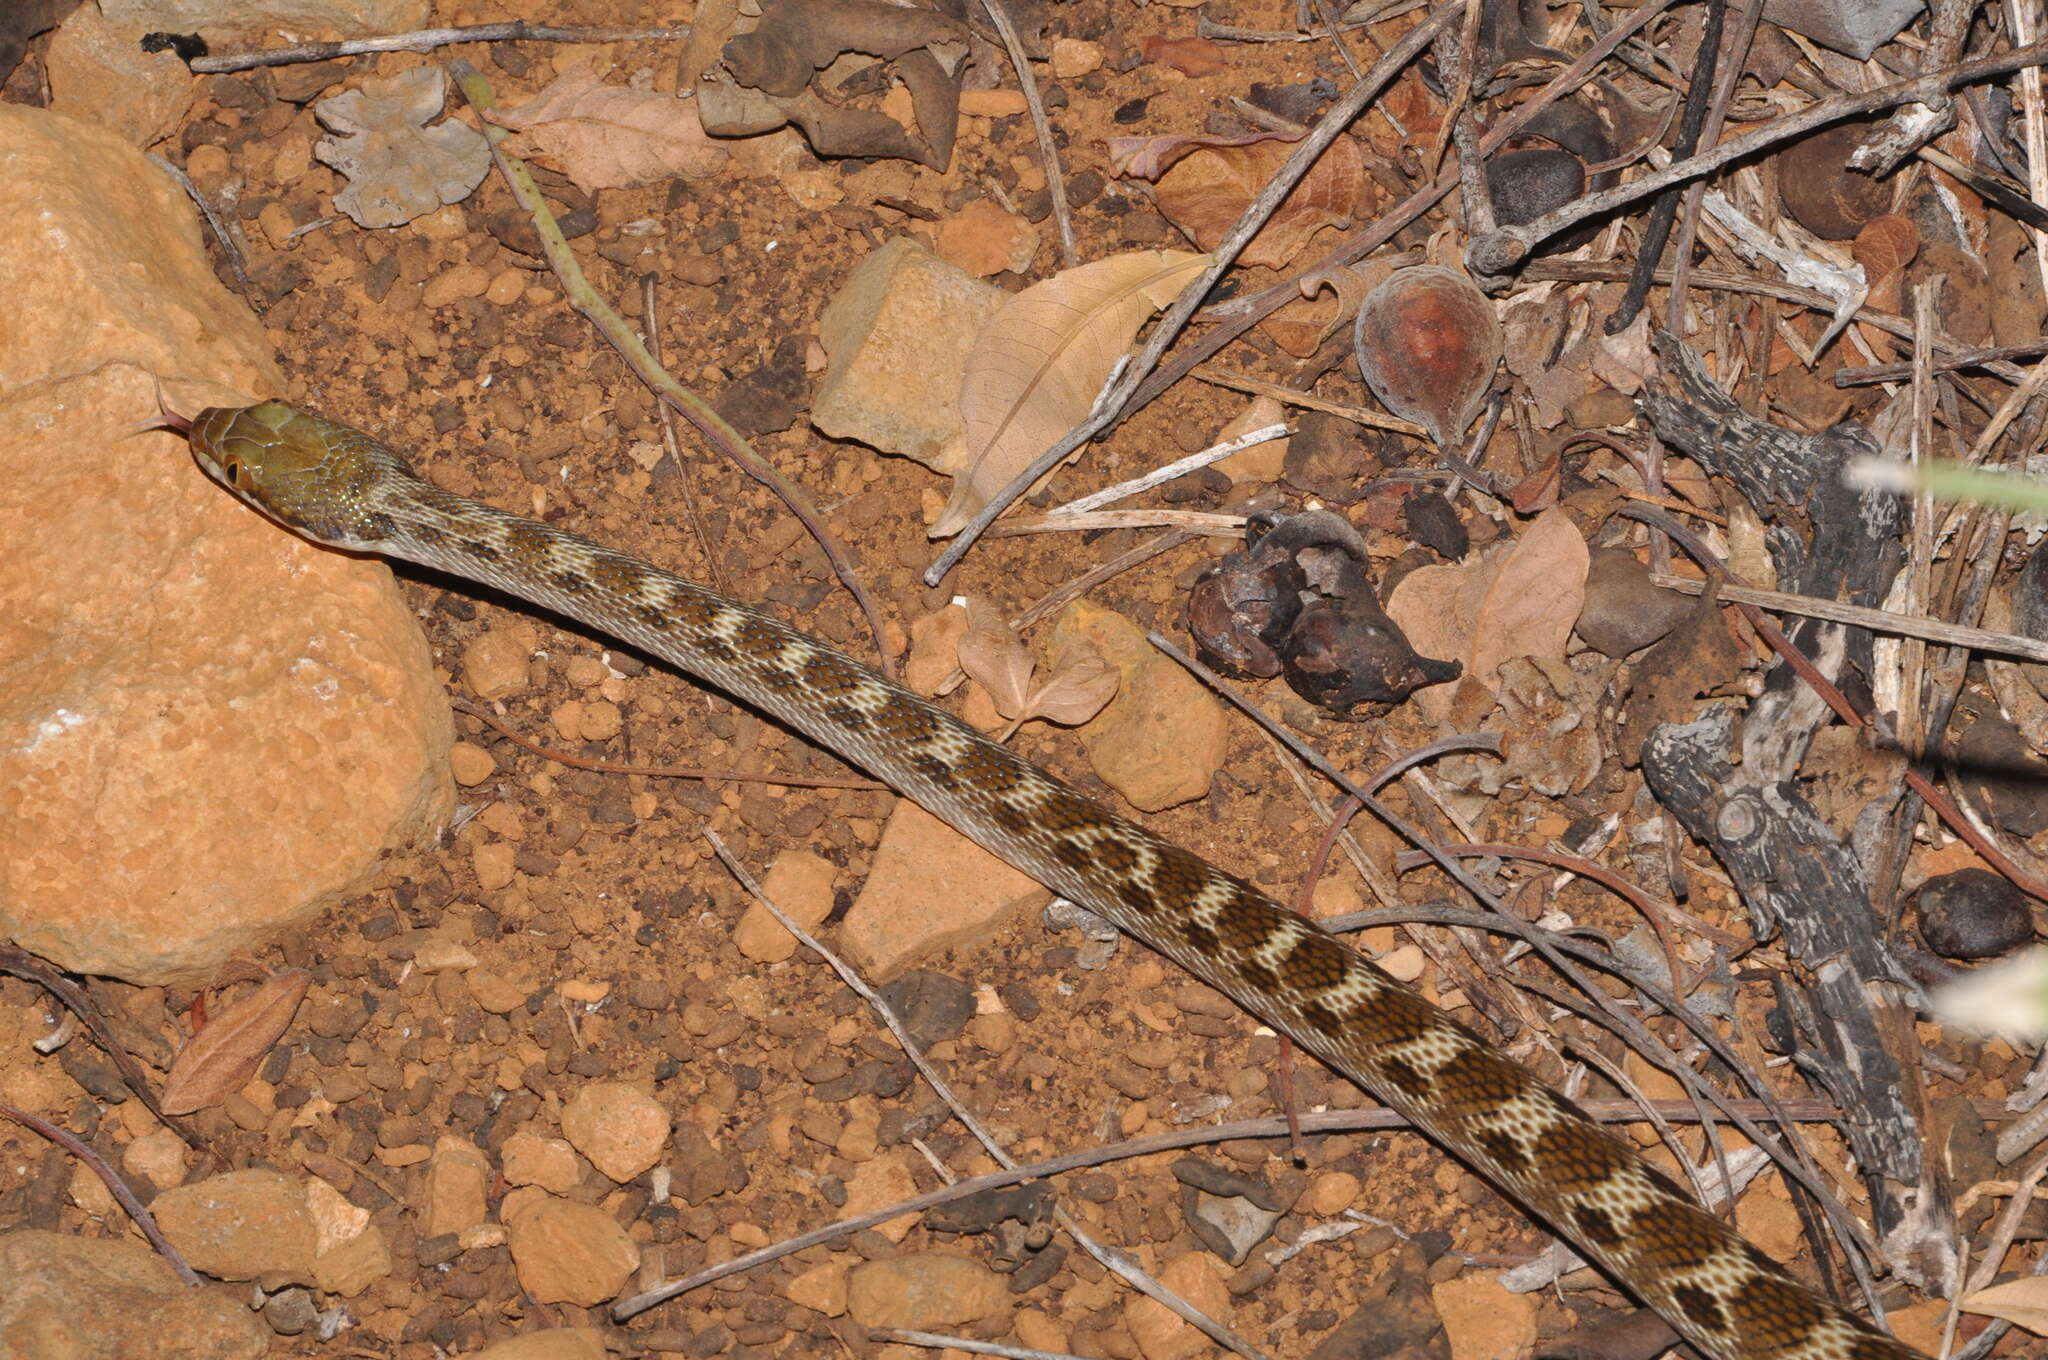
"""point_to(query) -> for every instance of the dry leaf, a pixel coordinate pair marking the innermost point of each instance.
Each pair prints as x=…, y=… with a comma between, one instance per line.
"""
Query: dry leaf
x=1207, y=191
x=1428, y=343
x=1536, y=597
x=397, y=167
x=1148, y=158
x=1081, y=685
x=1040, y=362
x=993, y=657
x=2024, y=1303
x=1884, y=247
x=220, y=1059
x=610, y=136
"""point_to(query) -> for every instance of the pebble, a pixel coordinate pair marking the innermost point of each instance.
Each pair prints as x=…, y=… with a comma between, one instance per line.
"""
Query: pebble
x=277, y=224
x=1075, y=57
x=494, y=663
x=1972, y=914
x=506, y=286
x=925, y=1291
x=471, y=765
x=822, y=1288
x=550, y=1163
x=1332, y=1193
x=458, y=1181
x=1161, y=1333
x=436, y=955
x=1482, y=1320
x=551, y=1343
x=493, y=863
x=453, y=284
x=1404, y=964
x=565, y=1252
x=618, y=1126
x=495, y=993
x=158, y=1155
x=243, y=1225
x=992, y=103
x=800, y=883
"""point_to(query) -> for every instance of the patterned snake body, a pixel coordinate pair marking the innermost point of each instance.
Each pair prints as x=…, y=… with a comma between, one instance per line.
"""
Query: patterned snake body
x=338, y=486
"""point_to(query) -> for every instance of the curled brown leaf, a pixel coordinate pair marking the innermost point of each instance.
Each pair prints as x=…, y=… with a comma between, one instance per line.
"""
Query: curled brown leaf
x=220, y=1059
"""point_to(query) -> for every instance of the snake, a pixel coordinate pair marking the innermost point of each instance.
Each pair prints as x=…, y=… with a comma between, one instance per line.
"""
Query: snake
x=340, y=487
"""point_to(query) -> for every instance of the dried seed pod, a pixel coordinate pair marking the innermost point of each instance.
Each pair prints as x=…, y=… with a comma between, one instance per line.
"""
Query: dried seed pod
x=1428, y=343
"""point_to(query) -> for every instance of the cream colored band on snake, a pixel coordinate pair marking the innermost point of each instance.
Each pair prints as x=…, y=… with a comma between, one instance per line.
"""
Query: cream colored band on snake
x=338, y=486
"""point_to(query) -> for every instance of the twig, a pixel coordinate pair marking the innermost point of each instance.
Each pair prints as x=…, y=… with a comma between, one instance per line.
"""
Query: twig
x=585, y=299
x=229, y=245
x=1180, y=467
x=1177, y=316
x=671, y=445
x=934, y=1341
x=1732, y=64
x=426, y=40
x=1292, y=396
x=1947, y=363
x=1089, y=521
x=1048, y=149
x=1506, y=247
x=116, y=1187
x=1876, y=620
x=795, y=781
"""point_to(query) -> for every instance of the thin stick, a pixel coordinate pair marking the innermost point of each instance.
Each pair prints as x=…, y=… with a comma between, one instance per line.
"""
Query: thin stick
x=1215, y=453
x=426, y=40
x=1087, y=521
x=1501, y=250
x=585, y=299
x=1048, y=149
x=1876, y=620
x=1177, y=316
x=1293, y=396
x=1947, y=363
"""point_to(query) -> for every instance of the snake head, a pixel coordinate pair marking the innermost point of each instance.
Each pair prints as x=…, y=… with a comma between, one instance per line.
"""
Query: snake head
x=320, y=479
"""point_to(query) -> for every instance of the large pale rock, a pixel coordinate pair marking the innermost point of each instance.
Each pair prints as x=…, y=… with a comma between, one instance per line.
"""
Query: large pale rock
x=99, y=72
x=243, y=1225
x=209, y=730
x=925, y=1290
x=78, y=1298
x=930, y=889
x=1162, y=738
x=552, y=1343
x=897, y=335
x=565, y=1252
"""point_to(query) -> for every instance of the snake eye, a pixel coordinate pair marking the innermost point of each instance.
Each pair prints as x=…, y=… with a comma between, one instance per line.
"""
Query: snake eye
x=232, y=467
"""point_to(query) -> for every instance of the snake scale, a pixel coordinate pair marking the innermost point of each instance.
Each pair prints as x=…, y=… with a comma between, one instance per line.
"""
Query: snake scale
x=340, y=487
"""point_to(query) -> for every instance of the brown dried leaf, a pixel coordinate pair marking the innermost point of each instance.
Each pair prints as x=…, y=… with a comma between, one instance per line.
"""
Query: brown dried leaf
x=1040, y=361
x=1536, y=597
x=1209, y=189
x=609, y=136
x=1148, y=158
x=398, y=162
x=1428, y=343
x=1884, y=247
x=992, y=655
x=2024, y=1303
x=1081, y=685
x=220, y=1059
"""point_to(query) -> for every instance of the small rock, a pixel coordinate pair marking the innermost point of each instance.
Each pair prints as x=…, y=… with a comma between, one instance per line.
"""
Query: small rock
x=930, y=889
x=1163, y=737
x=565, y=1252
x=903, y=321
x=454, y=284
x=497, y=994
x=703, y=1170
x=1073, y=58
x=1973, y=914
x=618, y=1126
x=549, y=1163
x=822, y=1289
x=160, y=1155
x=458, y=1185
x=992, y=103
x=353, y=1266
x=1483, y=1320
x=88, y=1298
x=471, y=765
x=1332, y=1193
x=924, y=1291
x=494, y=863
x=97, y=71
x=550, y=1343
x=934, y=649
x=1623, y=612
x=1231, y=1226
x=984, y=240
x=494, y=663
x=1163, y=1334
x=800, y=883
x=243, y=1225
x=436, y=955
x=877, y=1184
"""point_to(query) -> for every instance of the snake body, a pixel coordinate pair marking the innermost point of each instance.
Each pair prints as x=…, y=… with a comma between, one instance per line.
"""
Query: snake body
x=340, y=487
